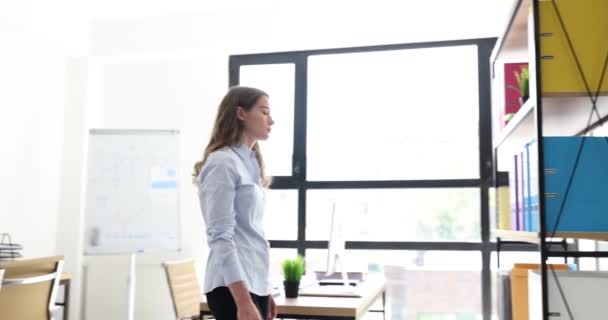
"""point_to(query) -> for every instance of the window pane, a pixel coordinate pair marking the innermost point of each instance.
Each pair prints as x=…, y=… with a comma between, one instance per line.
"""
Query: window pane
x=592, y=264
x=394, y=115
x=396, y=214
x=281, y=215
x=278, y=80
x=602, y=263
x=420, y=284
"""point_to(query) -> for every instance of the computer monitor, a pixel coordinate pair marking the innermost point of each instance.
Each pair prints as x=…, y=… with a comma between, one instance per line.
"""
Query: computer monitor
x=337, y=245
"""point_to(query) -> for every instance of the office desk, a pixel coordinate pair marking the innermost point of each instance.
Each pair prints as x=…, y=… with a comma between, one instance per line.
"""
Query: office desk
x=327, y=308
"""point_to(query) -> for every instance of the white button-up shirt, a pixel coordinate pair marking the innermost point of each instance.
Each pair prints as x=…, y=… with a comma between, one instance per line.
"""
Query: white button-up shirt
x=232, y=201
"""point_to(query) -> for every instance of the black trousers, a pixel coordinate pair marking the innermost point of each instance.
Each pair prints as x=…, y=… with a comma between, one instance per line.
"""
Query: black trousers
x=222, y=305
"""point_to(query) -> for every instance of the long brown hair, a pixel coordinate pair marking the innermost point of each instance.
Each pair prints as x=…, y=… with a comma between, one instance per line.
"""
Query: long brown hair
x=228, y=129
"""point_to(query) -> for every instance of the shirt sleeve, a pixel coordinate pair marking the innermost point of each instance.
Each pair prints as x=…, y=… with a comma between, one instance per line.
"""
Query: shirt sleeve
x=217, y=191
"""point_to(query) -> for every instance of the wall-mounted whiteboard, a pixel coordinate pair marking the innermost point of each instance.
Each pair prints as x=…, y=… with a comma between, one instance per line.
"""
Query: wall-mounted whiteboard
x=132, y=192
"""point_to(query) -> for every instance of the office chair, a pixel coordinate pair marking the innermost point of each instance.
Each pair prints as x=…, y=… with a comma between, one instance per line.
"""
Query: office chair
x=185, y=290
x=30, y=288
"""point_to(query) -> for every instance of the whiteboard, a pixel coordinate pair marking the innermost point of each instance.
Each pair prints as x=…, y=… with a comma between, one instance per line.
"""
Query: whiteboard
x=132, y=192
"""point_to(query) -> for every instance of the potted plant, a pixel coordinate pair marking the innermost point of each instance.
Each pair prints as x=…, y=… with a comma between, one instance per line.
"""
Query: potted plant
x=293, y=269
x=523, y=81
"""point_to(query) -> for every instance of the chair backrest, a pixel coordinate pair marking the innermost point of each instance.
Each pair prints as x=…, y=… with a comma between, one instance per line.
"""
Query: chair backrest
x=185, y=290
x=30, y=288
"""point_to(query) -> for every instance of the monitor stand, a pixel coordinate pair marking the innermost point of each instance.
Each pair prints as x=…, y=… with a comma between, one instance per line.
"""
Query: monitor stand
x=334, y=287
x=344, y=281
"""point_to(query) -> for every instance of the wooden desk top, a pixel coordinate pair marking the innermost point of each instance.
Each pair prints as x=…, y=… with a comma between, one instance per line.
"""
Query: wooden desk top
x=354, y=308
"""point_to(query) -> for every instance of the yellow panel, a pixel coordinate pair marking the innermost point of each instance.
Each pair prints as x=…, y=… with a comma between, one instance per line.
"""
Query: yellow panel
x=586, y=22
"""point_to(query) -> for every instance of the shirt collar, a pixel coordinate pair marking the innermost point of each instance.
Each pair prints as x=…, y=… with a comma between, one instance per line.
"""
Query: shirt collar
x=243, y=151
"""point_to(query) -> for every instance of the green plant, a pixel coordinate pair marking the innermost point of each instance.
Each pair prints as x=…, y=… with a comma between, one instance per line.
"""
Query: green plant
x=293, y=269
x=523, y=81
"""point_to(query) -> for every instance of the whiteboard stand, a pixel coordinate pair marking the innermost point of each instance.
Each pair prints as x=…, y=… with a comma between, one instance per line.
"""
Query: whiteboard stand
x=131, y=288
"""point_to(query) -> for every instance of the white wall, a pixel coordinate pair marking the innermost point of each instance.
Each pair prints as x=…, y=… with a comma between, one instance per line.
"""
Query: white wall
x=32, y=93
x=63, y=24
x=69, y=223
x=41, y=102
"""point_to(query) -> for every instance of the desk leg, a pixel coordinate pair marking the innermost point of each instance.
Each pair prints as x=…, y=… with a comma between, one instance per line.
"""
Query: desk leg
x=66, y=301
x=66, y=298
x=383, y=304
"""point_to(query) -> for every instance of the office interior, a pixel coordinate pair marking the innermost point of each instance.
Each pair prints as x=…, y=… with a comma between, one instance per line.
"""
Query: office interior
x=392, y=124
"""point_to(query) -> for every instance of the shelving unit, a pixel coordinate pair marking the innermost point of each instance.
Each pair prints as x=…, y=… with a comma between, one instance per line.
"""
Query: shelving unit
x=550, y=112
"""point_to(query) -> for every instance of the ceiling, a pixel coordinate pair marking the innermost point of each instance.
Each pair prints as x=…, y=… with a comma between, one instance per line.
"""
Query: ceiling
x=68, y=22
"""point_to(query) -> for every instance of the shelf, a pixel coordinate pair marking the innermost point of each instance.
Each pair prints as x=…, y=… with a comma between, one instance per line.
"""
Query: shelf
x=522, y=119
x=513, y=43
x=533, y=237
x=561, y=117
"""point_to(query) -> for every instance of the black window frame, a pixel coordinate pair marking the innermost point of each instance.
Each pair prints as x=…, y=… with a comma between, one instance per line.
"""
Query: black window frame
x=297, y=180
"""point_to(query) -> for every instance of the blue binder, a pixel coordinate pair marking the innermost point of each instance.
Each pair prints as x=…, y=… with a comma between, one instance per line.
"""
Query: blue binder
x=586, y=206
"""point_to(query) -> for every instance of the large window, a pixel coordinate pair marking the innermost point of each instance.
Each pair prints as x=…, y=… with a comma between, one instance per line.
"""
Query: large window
x=398, y=138
x=394, y=115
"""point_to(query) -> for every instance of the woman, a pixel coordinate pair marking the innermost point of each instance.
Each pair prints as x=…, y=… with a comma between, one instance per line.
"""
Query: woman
x=231, y=182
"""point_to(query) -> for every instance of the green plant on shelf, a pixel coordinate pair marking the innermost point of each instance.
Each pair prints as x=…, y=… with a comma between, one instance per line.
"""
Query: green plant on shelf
x=523, y=82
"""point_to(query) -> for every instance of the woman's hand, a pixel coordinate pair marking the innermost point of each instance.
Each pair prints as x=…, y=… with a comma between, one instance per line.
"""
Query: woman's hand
x=248, y=311
x=272, y=308
x=245, y=308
